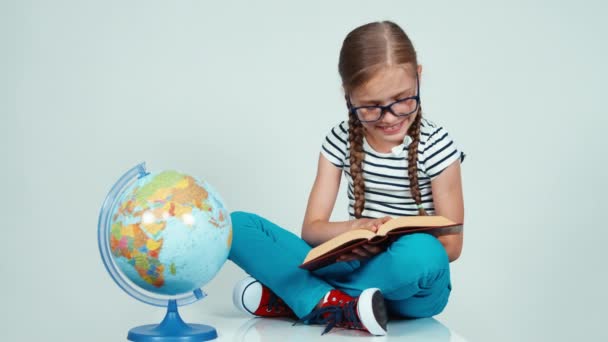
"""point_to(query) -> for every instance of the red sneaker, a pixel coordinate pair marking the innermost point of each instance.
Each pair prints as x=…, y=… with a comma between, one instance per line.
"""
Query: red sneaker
x=366, y=312
x=250, y=296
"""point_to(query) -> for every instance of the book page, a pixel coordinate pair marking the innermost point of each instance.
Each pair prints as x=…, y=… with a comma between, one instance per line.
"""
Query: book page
x=414, y=222
x=342, y=239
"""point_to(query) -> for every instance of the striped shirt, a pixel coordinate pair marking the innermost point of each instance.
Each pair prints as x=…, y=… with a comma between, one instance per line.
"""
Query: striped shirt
x=387, y=185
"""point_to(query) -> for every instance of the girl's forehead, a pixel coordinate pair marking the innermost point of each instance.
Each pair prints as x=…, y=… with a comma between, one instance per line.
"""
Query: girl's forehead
x=386, y=83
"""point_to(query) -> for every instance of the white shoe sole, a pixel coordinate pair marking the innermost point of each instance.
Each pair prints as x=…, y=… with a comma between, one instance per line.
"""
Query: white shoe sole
x=372, y=311
x=249, y=303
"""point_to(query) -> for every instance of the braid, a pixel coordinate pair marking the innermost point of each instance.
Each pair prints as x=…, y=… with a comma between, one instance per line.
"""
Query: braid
x=412, y=159
x=355, y=137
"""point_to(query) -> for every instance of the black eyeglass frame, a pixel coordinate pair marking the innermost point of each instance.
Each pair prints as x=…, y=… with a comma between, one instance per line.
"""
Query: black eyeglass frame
x=384, y=109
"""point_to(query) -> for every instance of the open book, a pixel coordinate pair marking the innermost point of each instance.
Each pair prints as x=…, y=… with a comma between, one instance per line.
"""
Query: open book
x=328, y=252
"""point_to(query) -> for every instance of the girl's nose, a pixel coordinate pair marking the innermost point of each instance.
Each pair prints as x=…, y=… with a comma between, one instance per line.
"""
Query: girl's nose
x=388, y=116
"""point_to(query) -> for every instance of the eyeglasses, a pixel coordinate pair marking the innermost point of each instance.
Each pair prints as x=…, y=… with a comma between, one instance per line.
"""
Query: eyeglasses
x=401, y=107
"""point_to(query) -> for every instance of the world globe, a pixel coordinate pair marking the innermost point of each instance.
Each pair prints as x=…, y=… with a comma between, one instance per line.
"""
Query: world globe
x=162, y=236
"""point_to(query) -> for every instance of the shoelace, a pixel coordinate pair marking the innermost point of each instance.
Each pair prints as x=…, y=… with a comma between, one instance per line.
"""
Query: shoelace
x=334, y=316
x=275, y=303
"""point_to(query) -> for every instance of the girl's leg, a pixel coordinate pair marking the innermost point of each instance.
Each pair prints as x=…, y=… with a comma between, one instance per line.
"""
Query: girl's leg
x=413, y=274
x=426, y=303
x=272, y=255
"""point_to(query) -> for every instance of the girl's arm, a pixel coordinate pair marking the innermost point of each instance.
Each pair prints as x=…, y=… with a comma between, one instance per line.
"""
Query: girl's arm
x=448, y=200
x=316, y=228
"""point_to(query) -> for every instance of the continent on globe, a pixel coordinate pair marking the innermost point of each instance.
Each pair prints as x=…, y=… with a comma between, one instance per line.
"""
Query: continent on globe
x=165, y=227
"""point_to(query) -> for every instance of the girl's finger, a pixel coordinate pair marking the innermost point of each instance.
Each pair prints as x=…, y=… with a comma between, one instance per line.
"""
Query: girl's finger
x=371, y=226
x=360, y=252
x=372, y=249
x=381, y=221
x=347, y=257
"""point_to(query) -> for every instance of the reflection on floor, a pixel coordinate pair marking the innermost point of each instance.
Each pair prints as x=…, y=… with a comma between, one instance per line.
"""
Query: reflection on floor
x=264, y=329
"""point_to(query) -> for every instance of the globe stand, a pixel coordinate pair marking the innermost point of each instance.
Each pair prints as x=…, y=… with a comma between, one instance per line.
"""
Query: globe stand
x=172, y=328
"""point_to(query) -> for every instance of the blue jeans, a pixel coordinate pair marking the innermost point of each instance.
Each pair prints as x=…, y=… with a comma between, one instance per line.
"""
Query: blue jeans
x=413, y=273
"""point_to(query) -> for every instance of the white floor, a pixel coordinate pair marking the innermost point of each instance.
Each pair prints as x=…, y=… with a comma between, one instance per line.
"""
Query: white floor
x=231, y=327
x=260, y=329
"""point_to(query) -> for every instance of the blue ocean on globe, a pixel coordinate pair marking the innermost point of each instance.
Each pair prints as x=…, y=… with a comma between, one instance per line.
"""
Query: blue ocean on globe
x=170, y=233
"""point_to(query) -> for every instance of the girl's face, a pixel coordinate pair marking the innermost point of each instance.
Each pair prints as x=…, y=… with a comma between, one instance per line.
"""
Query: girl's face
x=389, y=84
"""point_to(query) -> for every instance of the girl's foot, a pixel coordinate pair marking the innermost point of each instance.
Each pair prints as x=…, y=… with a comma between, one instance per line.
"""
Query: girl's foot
x=366, y=312
x=250, y=296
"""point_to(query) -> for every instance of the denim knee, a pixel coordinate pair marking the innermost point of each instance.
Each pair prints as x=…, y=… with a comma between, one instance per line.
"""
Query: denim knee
x=422, y=253
x=427, y=305
x=240, y=218
x=242, y=222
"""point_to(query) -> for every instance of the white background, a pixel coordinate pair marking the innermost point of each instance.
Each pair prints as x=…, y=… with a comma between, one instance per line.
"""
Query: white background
x=241, y=94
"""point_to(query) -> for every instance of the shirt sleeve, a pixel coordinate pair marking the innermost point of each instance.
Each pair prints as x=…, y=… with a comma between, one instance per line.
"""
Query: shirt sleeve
x=439, y=152
x=335, y=145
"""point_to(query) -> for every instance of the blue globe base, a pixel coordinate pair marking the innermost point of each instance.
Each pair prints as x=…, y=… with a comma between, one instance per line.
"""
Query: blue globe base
x=172, y=328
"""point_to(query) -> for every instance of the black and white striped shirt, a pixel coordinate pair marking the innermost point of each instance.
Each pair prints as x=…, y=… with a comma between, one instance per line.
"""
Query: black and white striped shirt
x=387, y=185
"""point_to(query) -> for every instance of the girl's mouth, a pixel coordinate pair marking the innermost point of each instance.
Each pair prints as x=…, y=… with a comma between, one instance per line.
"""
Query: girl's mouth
x=396, y=128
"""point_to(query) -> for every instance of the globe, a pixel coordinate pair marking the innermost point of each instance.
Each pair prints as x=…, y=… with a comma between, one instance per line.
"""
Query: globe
x=162, y=236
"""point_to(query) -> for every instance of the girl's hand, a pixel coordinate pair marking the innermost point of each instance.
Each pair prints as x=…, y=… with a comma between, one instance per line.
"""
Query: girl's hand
x=369, y=224
x=366, y=250
x=363, y=252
